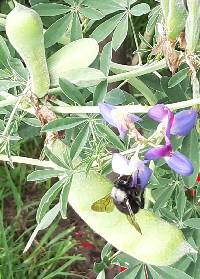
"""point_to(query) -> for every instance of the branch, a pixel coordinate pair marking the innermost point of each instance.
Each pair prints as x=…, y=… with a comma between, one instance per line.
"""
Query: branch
x=127, y=108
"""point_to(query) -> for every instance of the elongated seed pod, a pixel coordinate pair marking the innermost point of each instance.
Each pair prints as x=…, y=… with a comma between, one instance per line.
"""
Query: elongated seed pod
x=165, y=8
x=25, y=32
x=192, y=29
x=77, y=54
x=176, y=19
x=160, y=244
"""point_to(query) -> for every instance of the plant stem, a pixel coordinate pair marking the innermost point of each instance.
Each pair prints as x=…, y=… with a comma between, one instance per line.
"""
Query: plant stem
x=127, y=108
x=29, y=161
x=139, y=71
x=5, y=132
x=135, y=38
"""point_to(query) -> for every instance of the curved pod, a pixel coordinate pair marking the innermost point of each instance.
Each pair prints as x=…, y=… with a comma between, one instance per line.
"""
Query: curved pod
x=160, y=243
x=77, y=54
x=25, y=32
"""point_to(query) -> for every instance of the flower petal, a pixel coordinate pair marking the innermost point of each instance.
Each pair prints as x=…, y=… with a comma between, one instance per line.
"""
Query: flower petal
x=180, y=163
x=184, y=122
x=158, y=152
x=144, y=175
x=169, y=121
x=120, y=164
x=105, y=110
x=158, y=112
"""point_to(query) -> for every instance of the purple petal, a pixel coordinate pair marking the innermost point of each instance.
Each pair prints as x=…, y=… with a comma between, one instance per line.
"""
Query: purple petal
x=133, y=118
x=180, y=164
x=169, y=119
x=105, y=110
x=184, y=122
x=122, y=129
x=158, y=152
x=144, y=175
x=158, y=112
x=120, y=164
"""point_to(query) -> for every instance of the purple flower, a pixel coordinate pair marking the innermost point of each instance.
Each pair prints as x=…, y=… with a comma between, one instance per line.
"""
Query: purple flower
x=175, y=160
x=118, y=118
x=134, y=167
x=179, y=124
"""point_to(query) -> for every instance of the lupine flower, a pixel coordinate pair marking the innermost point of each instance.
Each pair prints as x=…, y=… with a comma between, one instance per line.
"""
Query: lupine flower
x=179, y=124
x=175, y=160
x=118, y=118
x=134, y=167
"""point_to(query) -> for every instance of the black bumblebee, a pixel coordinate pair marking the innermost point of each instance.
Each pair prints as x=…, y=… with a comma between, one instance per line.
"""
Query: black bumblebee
x=126, y=197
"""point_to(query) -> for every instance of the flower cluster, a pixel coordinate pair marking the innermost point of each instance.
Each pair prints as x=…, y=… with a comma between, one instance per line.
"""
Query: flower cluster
x=179, y=124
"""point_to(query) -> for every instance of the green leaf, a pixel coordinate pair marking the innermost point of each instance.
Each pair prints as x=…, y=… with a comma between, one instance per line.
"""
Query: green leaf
x=7, y=84
x=140, y=9
x=63, y=123
x=120, y=33
x=76, y=29
x=146, y=92
x=105, y=6
x=91, y=13
x=4, y=53
x=64, y=198
x=71, y=91
x=164, y=196
x=178, y=77
x=47, y=199
x=175, y=94
x=100, y=92
x=79, y=142
x=56, y=30
x=111, y=136
x=85, y=77
x=115, y=97
x=170, y=273
x=46, y=221
x=54, y=158
x=105, y=28
x=193, y=223
x=50, y=9
x=181, y=202
x=197, y=268
x=41, y=175
x=105, y=58
x=189, y=142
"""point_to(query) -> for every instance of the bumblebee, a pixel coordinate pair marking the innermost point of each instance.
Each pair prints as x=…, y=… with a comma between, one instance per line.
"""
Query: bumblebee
x=128, y=197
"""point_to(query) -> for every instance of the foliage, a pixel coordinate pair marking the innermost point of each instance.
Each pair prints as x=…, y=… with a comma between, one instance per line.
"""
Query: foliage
x=164, y=69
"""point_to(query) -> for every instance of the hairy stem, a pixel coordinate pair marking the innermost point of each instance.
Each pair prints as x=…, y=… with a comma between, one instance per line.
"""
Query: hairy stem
x=127, y=108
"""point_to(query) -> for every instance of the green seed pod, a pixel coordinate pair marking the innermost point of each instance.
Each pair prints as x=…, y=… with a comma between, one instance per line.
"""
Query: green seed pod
x=25, y=31
x=165, y=8
x=176, y=19
x=160, y=244
x=75, y=55
x=192, y=29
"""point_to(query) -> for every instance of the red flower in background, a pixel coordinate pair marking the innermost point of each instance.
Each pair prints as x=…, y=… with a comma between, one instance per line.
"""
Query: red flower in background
x=122, y=268
x=198, y=178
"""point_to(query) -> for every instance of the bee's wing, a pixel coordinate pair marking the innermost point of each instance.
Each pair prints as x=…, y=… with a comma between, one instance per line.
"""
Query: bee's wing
x=105, y=204
x=131, y=218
